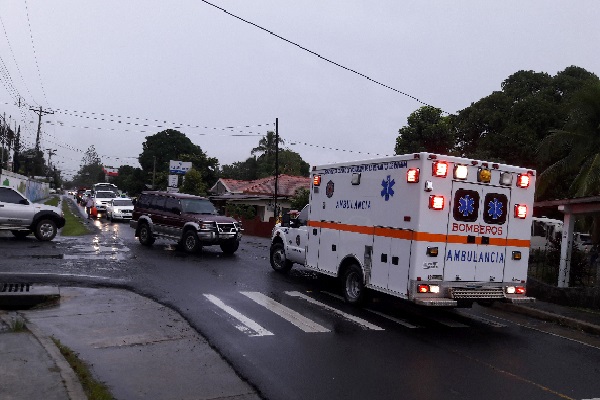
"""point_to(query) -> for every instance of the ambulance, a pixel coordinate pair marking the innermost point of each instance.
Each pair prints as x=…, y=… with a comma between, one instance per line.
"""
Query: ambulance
x=435, y=230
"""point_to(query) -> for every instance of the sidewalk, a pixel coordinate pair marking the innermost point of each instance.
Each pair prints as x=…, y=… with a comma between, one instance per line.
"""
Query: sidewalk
x=140, y=349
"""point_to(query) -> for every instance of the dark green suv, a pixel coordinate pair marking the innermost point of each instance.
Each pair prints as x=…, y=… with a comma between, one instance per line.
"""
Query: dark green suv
x=192, y=221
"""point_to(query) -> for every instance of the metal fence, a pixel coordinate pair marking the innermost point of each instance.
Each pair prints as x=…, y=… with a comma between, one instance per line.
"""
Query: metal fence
x=585, y=266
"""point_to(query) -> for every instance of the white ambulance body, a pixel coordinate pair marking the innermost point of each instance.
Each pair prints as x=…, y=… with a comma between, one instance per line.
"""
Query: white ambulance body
x=435, y=230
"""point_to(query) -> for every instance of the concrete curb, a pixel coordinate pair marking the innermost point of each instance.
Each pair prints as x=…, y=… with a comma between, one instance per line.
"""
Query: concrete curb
x=548, y=316
x=72, y=384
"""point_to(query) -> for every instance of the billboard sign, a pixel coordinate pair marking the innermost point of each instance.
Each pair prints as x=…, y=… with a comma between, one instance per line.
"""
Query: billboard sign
x=179, y=167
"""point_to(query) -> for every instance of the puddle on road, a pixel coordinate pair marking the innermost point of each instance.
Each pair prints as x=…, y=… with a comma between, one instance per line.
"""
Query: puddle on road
x=84, y=256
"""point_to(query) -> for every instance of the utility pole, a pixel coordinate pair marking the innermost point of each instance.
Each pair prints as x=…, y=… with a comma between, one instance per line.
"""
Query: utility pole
x=39, y=112
x=51, y=152
x=37, y=161
x=154, y=173
x=276, y=164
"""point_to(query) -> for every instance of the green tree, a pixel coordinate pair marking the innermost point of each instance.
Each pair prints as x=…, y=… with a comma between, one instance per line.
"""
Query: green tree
x=300, y=199
x=427, y=130
x=90, y=171
x=241, y=170
x=508, y=125
x=169, y=145
x=579, y=143
x=193, y=183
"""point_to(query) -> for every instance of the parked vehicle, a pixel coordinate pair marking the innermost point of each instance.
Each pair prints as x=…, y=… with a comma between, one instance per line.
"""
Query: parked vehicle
x=23, y=217
x=435, y=230
x=192, y=221
x=119, y=208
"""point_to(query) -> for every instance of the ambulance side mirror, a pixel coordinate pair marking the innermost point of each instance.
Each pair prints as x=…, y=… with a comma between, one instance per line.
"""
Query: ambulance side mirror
x=285, y=220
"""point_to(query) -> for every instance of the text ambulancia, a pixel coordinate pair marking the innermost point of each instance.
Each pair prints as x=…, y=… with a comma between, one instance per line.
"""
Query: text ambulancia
x=436, y=230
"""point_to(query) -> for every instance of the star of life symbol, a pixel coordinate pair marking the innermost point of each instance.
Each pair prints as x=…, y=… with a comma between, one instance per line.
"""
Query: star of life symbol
x=387, y=187
x=466, y=205
x=495, y=209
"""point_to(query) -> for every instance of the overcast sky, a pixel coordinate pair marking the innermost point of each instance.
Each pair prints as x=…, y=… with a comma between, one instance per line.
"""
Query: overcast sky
x=190, y=66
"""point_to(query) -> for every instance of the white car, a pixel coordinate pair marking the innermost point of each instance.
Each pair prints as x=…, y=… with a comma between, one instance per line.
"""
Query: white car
x=119, y=208
x=101, y=200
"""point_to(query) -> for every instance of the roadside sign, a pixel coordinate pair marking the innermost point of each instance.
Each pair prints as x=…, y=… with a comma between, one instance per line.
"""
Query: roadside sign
x=179, y=167
x=173, y=180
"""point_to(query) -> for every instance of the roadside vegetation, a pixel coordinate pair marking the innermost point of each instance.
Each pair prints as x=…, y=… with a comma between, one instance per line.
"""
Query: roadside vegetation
x=93, y=389
x=73, y=225
x=17, y=324
x=53, y=201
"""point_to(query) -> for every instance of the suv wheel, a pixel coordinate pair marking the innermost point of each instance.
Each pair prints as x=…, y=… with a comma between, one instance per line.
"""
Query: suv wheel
x=190, y=242
x=145, y=235
x=229, y=246
x=20, y=234
x=45, y=230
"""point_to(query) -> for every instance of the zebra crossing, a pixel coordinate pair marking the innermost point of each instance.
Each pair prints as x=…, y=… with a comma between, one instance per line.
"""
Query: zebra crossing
x=250, y=327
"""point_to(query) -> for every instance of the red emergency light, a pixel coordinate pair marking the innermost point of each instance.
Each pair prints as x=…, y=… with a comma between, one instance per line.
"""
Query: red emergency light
x=412, y=175
x=317, y=180
x=440, y=169
x=520, y=211
x=523, y=180
x=436, y=202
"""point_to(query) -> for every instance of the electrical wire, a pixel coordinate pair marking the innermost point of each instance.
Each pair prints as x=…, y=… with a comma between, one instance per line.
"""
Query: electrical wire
x=15, y=59
x=34, y=52
x=321, y=57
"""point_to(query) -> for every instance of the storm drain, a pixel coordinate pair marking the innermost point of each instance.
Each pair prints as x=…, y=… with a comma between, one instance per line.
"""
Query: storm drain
x=14, y=287
x=17, y=296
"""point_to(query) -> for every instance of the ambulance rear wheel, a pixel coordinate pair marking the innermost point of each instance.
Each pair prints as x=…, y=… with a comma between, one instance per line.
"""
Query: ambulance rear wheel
x=279, y=261
x=352, y=284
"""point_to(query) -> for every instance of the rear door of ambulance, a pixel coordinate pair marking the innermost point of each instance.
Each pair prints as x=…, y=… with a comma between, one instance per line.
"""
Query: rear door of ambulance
x=477, y=231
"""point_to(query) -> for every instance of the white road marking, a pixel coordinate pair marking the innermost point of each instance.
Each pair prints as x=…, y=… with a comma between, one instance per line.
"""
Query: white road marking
x=365, y=324
x=286, y=313
x=249, y=326
x=481, y=319
x=396, y=320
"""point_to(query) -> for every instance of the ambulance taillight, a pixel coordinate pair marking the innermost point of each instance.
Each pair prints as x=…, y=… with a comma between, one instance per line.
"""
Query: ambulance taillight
x=436, y=202
x=523, y=180
x=440, y=169
x=515, y=290
x=317, y=180
x=520, y=211
x=412, y=175
x=428, y=289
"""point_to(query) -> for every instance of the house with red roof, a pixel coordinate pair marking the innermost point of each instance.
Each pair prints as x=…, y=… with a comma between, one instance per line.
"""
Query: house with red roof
x=260, y=194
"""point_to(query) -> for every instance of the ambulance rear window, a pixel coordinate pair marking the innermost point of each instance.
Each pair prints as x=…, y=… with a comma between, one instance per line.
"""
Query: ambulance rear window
x=466, y=205
x=495, y=208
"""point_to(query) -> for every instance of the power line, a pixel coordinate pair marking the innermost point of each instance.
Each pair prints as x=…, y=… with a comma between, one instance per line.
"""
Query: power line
x=320, y=56
x=15, y=59
x=35, y=53
x=174, y=125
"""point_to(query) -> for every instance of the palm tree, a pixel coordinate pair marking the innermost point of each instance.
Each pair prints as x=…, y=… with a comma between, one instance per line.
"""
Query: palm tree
x=579, y=143
x=266, y=145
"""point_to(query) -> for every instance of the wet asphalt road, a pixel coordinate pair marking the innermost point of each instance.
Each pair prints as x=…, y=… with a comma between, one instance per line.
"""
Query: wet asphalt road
x=386, y=350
